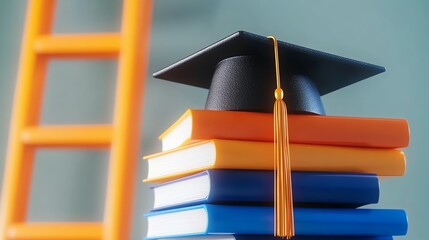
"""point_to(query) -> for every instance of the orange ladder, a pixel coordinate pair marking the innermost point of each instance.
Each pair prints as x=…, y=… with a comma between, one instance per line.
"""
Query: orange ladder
x=39, y=45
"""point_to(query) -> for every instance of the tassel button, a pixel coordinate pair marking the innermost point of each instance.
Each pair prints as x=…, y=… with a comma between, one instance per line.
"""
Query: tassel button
x=278, y=93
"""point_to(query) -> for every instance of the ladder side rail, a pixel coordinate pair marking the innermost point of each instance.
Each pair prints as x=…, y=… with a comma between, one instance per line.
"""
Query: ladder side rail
x=26, y=111
x=132, y=70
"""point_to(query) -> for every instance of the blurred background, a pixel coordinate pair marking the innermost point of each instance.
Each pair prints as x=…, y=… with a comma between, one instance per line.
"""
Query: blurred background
x=70, y=185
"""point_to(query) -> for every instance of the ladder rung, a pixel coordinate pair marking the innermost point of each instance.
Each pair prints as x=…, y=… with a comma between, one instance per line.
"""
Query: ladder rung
x=68, y=136
x=55, y=231
x=83, y=45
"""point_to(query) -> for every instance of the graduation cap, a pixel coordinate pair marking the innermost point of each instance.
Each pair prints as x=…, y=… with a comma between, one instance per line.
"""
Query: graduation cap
x=240, y=71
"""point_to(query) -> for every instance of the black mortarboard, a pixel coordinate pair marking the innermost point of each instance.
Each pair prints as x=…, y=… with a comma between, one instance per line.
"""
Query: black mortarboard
x=239, y=71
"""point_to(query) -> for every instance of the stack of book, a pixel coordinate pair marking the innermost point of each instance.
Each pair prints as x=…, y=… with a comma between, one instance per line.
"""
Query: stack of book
x=214, y=177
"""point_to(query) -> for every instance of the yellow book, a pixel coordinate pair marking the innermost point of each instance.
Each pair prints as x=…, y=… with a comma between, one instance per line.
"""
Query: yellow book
x=251, y=155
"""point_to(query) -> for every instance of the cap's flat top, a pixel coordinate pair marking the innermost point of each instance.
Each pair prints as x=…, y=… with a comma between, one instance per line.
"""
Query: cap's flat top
x=329, y=72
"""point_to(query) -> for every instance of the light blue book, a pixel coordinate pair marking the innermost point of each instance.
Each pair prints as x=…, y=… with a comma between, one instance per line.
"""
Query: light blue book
x=270, y=237
x=206, y=219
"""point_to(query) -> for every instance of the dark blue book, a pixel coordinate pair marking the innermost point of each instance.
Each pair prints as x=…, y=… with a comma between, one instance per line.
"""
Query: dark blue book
x=206, y=219
x=243, y=187
x=270, y=237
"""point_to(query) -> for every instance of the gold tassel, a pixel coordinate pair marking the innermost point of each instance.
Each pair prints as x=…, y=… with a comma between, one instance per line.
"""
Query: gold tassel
x=283, y=201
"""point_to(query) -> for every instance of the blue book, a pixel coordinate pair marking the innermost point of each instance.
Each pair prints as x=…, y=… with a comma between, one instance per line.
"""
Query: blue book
x=256, y=187
x=210, y=219
x=270, y=237
x=267, y=237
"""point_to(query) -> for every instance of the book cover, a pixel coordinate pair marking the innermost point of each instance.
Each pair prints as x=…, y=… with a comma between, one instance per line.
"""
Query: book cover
x=250, y=155
x=209, y=219
x=256, y=187
x=196, y=125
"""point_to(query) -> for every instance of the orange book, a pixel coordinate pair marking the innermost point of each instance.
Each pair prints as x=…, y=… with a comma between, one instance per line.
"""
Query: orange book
x=196, y=125
x=251, y=155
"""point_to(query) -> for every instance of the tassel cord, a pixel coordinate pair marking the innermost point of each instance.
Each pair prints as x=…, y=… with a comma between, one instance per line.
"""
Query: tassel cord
x=283, y=200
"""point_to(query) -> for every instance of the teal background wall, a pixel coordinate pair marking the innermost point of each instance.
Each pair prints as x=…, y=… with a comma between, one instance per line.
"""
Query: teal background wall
x=70, y=185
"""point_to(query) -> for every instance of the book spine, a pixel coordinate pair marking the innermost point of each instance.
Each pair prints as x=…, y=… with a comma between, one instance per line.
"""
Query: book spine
x=310, y=158
x=271, y=237
x=324, y=130
x=308, y=221
x=322, y=188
